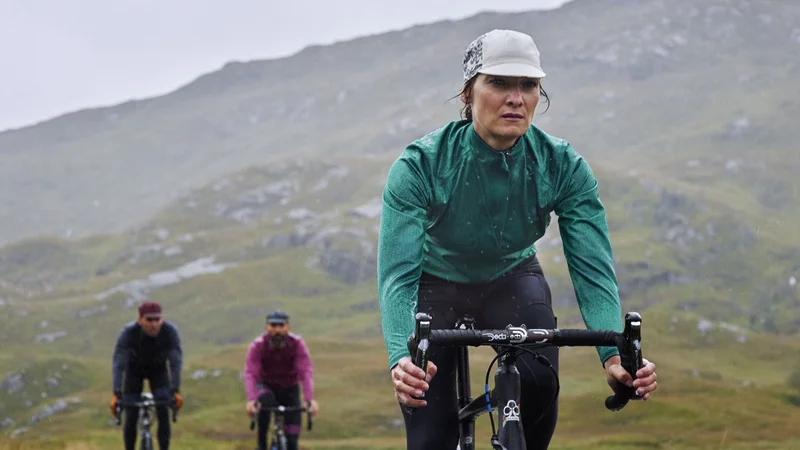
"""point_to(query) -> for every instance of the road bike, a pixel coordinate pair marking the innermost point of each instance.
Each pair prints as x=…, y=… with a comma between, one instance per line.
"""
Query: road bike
x=279, y=441
x=509, y=343
x=145, y=405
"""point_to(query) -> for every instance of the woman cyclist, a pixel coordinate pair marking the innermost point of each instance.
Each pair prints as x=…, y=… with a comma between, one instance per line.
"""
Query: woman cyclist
x=462, y=208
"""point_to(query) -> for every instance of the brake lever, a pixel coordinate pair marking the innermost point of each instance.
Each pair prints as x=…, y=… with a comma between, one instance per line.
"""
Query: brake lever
x=635, y=341
x=310, y=416
x=631, y=360
x=418, y=344
x=253, y=417
x=173, y=405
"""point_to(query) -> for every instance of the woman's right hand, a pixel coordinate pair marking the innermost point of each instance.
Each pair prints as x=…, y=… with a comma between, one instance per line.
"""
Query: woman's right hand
x=409, y=380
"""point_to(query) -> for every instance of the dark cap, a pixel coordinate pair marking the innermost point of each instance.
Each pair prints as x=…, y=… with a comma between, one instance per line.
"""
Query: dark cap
x=149, y=309
x=277, y=316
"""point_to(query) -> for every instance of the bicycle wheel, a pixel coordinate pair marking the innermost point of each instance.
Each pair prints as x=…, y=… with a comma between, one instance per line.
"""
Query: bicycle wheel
x=283, y=444
x=147, y=441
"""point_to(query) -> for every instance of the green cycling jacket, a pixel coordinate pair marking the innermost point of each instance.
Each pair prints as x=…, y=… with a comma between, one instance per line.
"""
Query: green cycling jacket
x=457, y=209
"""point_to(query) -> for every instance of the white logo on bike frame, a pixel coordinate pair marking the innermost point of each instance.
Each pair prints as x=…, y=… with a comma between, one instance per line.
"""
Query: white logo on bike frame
x=511, y=412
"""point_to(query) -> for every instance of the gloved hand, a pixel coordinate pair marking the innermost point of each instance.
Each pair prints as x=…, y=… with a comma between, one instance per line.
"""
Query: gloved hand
x=113, y=404
x=178, y=400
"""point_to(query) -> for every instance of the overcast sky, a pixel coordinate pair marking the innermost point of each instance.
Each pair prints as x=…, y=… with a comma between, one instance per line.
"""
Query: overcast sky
x=59, y=56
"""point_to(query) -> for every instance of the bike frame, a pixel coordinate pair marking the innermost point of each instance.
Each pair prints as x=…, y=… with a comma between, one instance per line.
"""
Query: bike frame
x=278, y=436
x=145, y=404
x=279, y=412
x=505, y=396
x=147, y=435
x=507, y=381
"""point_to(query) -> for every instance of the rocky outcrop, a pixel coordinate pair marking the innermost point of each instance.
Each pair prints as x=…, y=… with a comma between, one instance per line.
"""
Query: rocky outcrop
x=346, y=253
x=139, y=289
x=48, y=411
x=370, y=210
x=13, y=383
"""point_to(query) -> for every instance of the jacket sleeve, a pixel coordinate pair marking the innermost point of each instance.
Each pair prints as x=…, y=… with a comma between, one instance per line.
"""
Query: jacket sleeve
x=175, y=358
x=305, y=369
x=400, y=254
x=119, y=360
x=587, y=247
x=252, y=364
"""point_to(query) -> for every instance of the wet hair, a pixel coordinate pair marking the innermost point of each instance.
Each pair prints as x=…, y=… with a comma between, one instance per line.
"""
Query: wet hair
x=466, y=91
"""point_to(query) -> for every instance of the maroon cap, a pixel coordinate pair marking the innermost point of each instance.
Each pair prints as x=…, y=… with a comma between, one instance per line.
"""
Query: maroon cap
x=149, y=309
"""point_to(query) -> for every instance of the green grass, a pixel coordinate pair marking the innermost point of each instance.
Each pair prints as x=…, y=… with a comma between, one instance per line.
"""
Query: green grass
x=716, y=391
x=357, y=408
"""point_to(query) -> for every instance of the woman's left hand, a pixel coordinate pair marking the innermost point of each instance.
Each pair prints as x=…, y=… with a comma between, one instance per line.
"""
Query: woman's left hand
x=645, y=381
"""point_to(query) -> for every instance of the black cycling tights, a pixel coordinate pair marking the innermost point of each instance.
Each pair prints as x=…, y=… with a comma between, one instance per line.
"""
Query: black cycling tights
x=159, y=386
x=521, y=296
x=292, y=421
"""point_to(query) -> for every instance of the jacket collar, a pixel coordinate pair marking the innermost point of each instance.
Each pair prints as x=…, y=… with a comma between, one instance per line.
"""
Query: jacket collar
x=484, y=152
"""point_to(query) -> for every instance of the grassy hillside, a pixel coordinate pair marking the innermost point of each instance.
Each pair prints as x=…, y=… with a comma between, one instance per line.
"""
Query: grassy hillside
x=717, y=344
x=231, y=197
x=717, y=402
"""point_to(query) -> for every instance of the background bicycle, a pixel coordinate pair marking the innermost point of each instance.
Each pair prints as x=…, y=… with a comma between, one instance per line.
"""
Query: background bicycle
x=279, y=440
x=145, y=406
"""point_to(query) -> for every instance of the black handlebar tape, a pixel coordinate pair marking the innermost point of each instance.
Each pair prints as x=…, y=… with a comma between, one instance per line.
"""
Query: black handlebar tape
x=586, y=338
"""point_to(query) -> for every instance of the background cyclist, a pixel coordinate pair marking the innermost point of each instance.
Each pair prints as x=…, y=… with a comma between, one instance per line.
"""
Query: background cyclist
x=148, y=348
x=277, y=363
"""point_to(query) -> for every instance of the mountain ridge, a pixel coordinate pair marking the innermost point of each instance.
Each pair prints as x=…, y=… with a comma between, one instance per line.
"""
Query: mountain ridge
x=376, y=93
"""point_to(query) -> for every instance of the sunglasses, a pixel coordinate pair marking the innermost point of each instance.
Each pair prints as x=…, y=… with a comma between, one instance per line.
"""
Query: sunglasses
x=277, y=325
x=152, y=319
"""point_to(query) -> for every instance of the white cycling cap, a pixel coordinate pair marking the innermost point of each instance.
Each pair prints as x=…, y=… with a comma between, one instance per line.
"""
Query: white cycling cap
x=503, y=52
